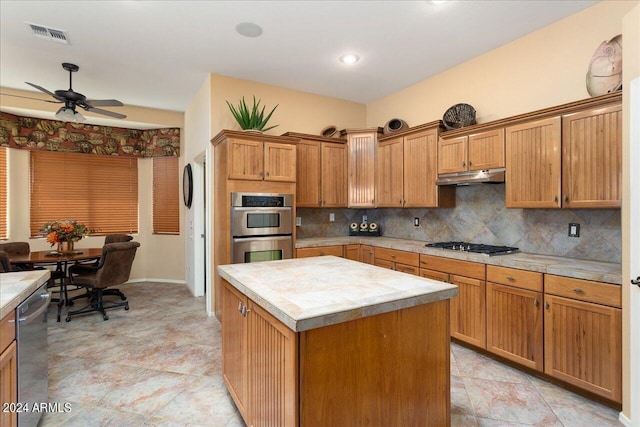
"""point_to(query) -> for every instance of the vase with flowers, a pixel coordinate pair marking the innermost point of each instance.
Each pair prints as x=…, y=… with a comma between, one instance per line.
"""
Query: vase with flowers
x=64, y=233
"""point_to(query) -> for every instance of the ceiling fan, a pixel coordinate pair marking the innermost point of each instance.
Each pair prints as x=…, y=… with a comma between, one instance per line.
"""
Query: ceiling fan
x=72, y=99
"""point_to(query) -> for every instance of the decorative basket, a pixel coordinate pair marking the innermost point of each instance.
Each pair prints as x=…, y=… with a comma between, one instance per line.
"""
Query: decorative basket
x=394, y=125
x=458, y=116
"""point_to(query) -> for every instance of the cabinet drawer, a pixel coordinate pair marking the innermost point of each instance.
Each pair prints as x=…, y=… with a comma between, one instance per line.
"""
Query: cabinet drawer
x=383, y=263
x=453, y=266
x=584, y=290
x=434, y=275
x=407, y=269
x=7, y=330
x=319, y=251
x=513, y=277
x=407, y=258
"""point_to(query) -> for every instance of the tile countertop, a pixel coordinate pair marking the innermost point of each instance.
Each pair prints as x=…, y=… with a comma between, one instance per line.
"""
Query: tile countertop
x=16, y=287
x=597, y=271
x=308, y=293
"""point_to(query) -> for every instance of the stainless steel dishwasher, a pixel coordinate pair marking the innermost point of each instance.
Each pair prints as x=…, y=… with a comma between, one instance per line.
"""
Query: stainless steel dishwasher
x=31, y=334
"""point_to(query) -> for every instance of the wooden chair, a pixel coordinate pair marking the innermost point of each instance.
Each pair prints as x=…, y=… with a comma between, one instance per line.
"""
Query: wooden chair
x=113, y=269
x=117, y=238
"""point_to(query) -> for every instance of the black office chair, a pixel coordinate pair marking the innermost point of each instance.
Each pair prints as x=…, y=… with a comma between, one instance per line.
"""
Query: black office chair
x=113, y=269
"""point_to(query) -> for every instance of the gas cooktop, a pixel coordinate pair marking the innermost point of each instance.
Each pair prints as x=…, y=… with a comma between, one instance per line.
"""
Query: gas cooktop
x=473, y=247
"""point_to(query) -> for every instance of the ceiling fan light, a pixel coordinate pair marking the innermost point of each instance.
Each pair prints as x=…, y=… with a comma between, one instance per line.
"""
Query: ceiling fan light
x=77, y=117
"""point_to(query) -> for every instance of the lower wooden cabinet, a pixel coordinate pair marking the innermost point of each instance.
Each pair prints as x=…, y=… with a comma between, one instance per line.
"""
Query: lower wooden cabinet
x=264, y=387
x=352, y=252
x=583, y=339
x=514, y=315
x=8, y=370
x=367, y=255
x=406, y=262
x=336, y=250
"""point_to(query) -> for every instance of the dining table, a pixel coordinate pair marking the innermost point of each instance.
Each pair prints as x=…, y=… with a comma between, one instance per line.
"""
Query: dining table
x=61, y=261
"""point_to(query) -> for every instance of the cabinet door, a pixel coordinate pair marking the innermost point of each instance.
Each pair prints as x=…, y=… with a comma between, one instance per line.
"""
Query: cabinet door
x=279, y=162
x=452, y=155
x=468, y=315
x=421, y=170
x=367, y=254
x=319, y=251
x=308, y=174
x=390, y=173
x=334, y=175
x=514, y=325
x=234, y=347
x=352, y=252
x=362, y=169
x=9, y=384
x=273, y=369
x=246, y=159
x=583, y=345
x=533, y=164
x=486, y=150
x=592, y=158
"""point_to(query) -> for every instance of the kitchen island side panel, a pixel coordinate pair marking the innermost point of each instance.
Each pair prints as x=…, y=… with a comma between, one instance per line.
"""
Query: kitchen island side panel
x=388, y=369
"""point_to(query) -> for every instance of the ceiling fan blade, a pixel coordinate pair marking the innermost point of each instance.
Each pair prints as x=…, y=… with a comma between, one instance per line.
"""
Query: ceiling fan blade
x=29, y=97
x=104, y=103
x=105, y=112
x=40, y=88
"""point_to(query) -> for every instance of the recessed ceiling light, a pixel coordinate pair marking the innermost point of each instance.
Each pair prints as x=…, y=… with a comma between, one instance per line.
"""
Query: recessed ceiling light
x=439, y=1
x=349, y=58
x=249, y=29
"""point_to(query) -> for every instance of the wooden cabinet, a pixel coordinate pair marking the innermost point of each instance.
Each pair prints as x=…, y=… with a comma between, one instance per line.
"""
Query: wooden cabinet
x=592, y=158
x=361, y=146
x=468, y=309
x=8, y=369
x=478, y=151
x=583, y=336
x=336, y=250
x=321, y=176
x=263, y=386
x=259, y=160
x=406, y=262
x=533, y=164
x=367, y=254
x=407, y=171
x=514, y=315
x=352, y=252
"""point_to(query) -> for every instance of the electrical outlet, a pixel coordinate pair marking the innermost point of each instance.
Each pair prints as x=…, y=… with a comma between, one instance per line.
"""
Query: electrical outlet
x=574, y=229
x=332, y=217
x=364, y=219
x=298, y=221
x=416, y=222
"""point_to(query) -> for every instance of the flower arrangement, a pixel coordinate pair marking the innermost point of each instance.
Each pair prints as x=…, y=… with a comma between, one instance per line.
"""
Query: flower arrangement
x=64, y=231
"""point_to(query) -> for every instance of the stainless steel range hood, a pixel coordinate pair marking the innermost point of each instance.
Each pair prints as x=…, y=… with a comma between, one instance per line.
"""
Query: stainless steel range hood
x=487, y=176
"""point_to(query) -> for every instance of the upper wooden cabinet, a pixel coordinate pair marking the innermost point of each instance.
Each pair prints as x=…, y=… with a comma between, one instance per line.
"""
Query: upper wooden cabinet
x=361, y=146
x=570, y=160
x=533, y=164
x=592, y=158
x=407, y=172
x=260, y=160
x=477, y=151
x=321, y=176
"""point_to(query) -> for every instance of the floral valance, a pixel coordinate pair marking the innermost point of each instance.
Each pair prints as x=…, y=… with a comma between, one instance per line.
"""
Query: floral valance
x=52, y=135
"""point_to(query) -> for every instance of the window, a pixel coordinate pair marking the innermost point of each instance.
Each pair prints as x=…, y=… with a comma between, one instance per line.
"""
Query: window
x=166, y=197
x=3, y=193
x=99, y=191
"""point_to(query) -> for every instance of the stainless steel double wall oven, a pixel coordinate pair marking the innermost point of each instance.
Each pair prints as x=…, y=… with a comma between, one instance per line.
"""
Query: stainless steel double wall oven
x=261, y=227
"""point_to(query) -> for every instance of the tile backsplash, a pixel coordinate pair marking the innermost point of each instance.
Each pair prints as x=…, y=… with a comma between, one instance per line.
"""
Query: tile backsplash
x=480, y=216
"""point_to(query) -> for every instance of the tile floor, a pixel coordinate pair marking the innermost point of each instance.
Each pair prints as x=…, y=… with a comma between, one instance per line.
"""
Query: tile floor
x=158, y=364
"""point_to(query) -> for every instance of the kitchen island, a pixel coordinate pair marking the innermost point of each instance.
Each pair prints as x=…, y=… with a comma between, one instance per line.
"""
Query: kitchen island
x=329, y=341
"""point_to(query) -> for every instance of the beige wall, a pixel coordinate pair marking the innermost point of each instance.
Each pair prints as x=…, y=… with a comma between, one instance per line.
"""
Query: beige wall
x=159, y=257
x=630, y=235
x=539, y=70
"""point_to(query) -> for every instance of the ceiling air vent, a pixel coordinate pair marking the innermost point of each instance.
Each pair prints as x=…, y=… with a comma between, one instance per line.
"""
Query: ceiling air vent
x=46, y=33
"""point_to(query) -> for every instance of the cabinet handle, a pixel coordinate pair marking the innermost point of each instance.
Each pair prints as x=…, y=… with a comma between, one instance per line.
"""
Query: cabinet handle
x=240, y=306
x=393, y=256
x=267, y=173
x=536, y=303
x=636, y=282
x=511, y=278
x=261, y=174
x=464, y=164
x=244, y=311
x=546, y=305
x=578, y=291
x=555, y=199
x=469, y=162
x=566, y=198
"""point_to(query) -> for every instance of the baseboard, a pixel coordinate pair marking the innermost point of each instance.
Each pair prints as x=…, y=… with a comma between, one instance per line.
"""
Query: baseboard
x=624, y=420
x=178, y=282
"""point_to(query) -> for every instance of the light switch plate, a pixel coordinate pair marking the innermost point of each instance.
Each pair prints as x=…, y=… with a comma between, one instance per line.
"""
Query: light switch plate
x=298, y=221
x=332, y=217
x=574, y=229
x=416, y=222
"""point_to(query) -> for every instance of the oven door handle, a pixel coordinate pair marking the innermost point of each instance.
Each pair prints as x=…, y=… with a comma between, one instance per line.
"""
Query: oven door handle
x=28, y=319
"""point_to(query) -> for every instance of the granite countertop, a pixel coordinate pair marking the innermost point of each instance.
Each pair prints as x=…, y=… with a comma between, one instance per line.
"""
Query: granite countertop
x=598, y=271
x=16, y=287
x=308, y=293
